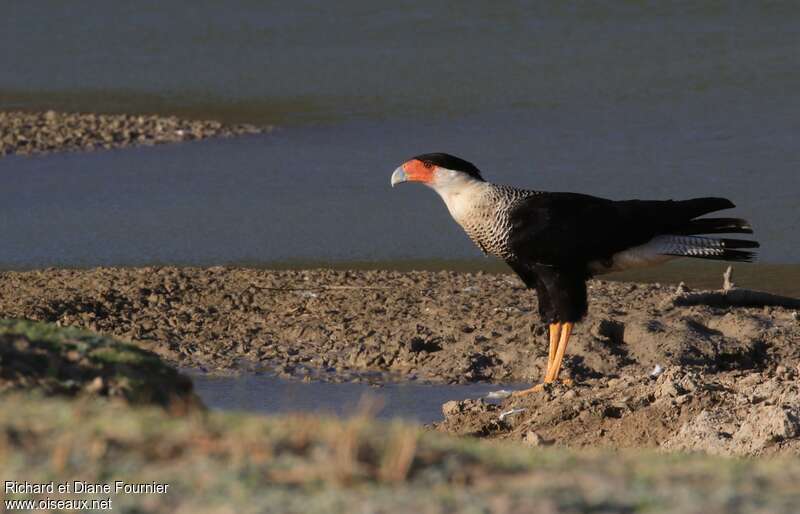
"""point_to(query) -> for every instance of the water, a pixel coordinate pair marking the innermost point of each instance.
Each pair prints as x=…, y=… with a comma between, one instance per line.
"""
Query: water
x=316, y=193
x=266, y=394
x=315, y=61
x=615, y=99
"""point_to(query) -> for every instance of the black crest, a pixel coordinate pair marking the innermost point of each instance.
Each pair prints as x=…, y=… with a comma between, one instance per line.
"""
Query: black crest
x=450, y=162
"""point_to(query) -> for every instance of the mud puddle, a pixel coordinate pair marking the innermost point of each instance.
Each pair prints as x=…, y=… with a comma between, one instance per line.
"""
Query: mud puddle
x=268, y=394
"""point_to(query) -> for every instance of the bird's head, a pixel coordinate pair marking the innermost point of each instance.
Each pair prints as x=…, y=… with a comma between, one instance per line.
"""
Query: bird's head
x=437, y=170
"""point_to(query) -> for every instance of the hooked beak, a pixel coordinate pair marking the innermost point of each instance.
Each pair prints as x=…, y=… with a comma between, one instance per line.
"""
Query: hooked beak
x=399, y=176
x=414, y=171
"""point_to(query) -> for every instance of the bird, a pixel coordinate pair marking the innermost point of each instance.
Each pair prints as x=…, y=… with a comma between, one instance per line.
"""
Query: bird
x=556, y=241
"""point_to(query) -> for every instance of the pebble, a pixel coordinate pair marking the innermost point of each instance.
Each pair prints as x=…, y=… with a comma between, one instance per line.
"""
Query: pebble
x=502, y=393
x=508, y=413
x=657, y=370
x=451, y=408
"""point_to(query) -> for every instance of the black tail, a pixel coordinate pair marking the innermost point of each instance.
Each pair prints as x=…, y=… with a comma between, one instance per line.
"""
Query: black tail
x=700, y=206
x=713, y=248
x=715, y=226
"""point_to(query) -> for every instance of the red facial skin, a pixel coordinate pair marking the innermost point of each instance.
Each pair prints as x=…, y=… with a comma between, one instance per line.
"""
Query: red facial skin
x=418, y=171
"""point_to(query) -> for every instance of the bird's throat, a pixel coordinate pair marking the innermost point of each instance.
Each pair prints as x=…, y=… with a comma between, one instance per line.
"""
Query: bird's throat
x=461, y=198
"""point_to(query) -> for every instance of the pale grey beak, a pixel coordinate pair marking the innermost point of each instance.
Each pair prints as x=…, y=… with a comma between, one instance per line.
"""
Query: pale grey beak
x=398, y=176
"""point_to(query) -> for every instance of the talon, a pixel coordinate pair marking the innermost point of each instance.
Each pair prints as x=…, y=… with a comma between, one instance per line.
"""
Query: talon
x=538, y=388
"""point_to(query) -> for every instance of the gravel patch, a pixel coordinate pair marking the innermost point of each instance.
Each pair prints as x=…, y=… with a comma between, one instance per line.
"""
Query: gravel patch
x=26, y=133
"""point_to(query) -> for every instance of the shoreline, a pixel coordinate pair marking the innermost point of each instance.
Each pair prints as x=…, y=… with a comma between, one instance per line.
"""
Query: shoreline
x=727, y=379
x=777, y=278
x=30, y=133
x=364, y=325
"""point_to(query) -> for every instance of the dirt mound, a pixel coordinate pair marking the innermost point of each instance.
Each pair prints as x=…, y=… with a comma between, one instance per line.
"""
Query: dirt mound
x=738, y=413
x=59, y=361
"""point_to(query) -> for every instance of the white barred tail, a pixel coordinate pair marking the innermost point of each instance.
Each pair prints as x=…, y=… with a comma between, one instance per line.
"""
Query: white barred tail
x=666, y=247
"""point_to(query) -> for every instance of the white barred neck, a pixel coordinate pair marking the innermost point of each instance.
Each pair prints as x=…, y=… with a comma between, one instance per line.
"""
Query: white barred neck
x=459, y=191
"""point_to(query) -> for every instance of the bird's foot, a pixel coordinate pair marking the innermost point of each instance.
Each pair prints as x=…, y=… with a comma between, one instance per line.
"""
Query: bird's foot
x=538, y=388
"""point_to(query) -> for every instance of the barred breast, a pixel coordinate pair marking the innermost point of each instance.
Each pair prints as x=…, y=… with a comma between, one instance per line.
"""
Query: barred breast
x=485, y=218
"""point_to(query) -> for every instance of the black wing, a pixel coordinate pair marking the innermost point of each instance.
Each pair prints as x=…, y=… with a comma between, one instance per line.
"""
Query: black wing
x=569, y=230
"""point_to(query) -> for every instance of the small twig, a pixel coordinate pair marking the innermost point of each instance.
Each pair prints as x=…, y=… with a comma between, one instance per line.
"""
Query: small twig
x=727, y=282
x=732, y=296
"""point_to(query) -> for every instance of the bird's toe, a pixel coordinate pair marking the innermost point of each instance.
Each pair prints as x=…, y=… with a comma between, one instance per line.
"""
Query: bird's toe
x=524, y=392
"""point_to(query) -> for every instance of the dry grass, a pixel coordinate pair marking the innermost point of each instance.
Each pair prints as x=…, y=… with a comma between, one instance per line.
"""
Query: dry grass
x=311, y=464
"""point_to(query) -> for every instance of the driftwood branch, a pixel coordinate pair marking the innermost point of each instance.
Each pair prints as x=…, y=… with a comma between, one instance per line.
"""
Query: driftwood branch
x=732, y=296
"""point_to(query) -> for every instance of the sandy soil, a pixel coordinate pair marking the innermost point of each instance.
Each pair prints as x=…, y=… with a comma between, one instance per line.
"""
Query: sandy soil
x=729, y=384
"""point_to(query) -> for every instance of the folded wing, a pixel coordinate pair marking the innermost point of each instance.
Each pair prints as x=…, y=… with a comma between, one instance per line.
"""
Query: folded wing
x=570, y=230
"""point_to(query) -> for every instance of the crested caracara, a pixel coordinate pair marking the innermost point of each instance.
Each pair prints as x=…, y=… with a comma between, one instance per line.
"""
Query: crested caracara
x=556, y=241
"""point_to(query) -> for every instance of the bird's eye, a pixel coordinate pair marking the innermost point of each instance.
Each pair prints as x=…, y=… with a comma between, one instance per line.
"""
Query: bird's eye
x=428, y=165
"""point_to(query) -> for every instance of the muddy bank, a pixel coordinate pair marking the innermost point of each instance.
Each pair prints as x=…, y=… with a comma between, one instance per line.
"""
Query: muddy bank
x=439, y=326
x=28, y=133
x=684, y=408
x=728, y=383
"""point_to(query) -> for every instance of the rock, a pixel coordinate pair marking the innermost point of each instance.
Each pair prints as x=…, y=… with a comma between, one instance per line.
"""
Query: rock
x=451, y=408
x=675, y=382
x=95, y=386
x=705, y=432
x=668, y=388
x=765, y=425
x=533, y=439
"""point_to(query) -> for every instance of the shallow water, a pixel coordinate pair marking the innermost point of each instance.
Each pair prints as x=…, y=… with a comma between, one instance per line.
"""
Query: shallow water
x=267, y=394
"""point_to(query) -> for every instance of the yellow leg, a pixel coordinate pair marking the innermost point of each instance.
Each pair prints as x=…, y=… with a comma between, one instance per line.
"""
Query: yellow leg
x=552, y=373
x=555, y=334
